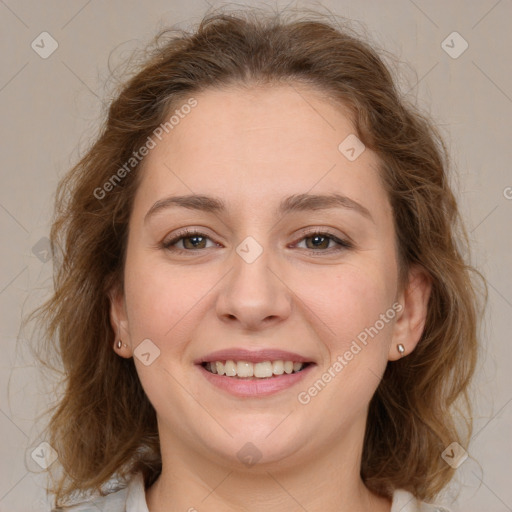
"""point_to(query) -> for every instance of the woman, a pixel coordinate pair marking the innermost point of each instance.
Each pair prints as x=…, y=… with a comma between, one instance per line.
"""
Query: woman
x=261, y=302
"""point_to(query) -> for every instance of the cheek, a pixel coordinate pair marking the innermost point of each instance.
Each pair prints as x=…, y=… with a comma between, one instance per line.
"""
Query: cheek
x=352, y=304
x=162, y=306
x=348, y=306
x=161, y=301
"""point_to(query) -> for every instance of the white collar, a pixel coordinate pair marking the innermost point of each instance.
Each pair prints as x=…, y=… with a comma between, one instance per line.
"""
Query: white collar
x=136, y=496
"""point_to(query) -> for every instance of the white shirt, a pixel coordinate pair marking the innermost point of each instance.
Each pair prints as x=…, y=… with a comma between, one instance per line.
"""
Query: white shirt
x=132, y=498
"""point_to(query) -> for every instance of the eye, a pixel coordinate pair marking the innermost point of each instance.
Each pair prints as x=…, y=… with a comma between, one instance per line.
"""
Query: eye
x=191, y=240
x=322, y=239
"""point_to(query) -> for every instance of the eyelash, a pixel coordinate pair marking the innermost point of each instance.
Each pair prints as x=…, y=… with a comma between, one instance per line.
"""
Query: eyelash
x=342, y=244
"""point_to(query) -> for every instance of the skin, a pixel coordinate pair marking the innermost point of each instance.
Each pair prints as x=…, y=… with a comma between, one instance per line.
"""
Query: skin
x=253, y=148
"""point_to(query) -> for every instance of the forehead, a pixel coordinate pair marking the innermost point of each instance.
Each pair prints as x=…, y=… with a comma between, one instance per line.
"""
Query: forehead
x=266, y=124
x=259, y=143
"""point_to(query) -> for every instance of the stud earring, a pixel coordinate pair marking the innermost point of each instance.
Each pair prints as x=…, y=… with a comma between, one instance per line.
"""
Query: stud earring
x=400, y=349
x=119, y=344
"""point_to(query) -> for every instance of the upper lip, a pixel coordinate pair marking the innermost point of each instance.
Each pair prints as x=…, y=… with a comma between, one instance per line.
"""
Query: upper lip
x=252, y=356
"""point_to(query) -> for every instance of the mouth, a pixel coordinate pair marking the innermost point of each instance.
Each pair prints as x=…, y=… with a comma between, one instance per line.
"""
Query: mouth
x=246, y=370
x=257, y=380
x=258, y=373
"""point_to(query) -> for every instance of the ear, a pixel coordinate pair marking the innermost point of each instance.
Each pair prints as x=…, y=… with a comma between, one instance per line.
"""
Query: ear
x=119, y=322
x=410, y=321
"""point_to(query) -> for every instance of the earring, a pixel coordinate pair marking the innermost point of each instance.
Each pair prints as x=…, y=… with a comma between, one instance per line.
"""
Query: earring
x=119, y=344
x=400, y=349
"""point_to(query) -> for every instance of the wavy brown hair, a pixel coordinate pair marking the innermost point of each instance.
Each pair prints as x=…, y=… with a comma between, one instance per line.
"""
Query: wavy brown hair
x=103, y=424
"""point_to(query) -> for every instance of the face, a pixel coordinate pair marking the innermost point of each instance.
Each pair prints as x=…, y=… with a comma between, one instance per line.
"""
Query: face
x=254, y=277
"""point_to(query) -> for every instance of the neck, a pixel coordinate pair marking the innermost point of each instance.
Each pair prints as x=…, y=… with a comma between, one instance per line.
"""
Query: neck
x=329, y=481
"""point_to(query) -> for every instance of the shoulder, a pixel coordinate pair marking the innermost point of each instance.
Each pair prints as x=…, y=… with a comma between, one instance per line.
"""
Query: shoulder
x=126, y=498
x=113, y=502
x=404, y=501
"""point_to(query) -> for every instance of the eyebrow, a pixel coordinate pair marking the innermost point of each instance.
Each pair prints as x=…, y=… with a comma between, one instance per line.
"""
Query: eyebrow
x=294, y=203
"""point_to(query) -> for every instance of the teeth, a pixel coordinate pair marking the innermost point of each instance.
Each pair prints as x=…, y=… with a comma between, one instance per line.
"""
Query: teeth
x=245, y=369
x=263, y=370
x=230, y=369
x=278, y=367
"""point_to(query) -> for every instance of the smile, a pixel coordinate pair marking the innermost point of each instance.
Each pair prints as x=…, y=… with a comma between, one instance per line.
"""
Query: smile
x=268, y=377
x=248, y=370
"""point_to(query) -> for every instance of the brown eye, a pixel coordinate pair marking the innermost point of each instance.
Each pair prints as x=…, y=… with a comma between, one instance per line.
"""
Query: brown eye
x=191, y=240
x=195, y=242
x=321, y=240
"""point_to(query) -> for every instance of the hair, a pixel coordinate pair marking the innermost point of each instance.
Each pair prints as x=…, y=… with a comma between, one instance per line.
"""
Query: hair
x=104, y=424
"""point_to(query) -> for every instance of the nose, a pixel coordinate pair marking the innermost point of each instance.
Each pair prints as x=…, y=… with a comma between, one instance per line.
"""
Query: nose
x=254, y=295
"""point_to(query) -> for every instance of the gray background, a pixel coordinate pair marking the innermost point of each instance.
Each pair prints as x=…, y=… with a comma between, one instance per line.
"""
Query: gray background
x=52, y=107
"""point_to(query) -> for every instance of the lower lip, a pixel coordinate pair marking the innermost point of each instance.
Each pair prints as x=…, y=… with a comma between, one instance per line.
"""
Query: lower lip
x=255, y=387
